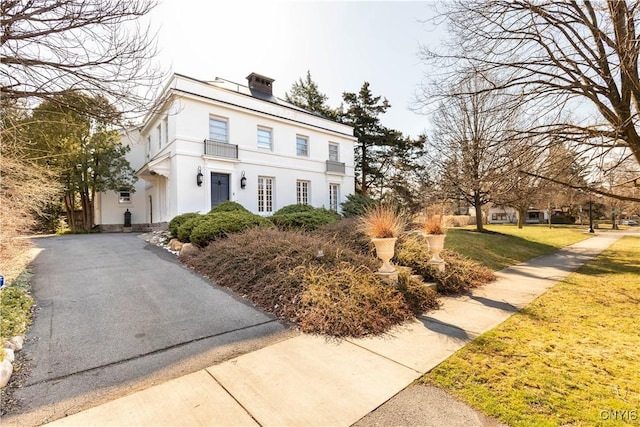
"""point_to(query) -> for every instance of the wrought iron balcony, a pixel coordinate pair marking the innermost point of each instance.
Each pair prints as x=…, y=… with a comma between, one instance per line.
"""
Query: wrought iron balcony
x=220, y=149
x=335, y=167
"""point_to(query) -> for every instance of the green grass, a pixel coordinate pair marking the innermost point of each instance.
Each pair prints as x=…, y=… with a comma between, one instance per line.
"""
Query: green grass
x=511, y=245
x=572, y=357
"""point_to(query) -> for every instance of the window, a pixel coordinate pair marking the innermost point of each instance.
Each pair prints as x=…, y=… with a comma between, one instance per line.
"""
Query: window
x=166, y=130
x=148, y=146
x=302, y=146
x=264, y=138
x=124, y=197
x=159, y=128
x=334, y=196
x=265, y=194
x=302, y=192
x=218, y=130
x=499, y=217
x=334, y=152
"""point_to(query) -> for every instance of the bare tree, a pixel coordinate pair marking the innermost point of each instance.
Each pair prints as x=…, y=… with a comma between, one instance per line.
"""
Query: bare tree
x=98, y=47
x=472, y=142
x=562, y=55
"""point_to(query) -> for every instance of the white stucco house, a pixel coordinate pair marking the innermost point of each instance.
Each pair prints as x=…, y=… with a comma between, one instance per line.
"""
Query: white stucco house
x=205, y=142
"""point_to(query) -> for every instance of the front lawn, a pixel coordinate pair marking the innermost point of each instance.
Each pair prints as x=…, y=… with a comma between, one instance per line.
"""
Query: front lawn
x=508, y=245
x=572, y=357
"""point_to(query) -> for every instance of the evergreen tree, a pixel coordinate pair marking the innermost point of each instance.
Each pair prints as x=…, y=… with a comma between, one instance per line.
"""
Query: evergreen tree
x=305, y=94
x=81, y=149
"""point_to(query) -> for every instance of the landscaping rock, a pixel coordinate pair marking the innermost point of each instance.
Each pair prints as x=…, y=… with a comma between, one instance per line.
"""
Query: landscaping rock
x=8, y=344
x=175, y=245
x=188, y=249
x=9, y=355
x=6, y=369
x=17, y=342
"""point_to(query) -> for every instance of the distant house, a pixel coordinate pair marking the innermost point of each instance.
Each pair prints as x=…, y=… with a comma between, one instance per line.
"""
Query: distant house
x=509, y=215
x=210, y=141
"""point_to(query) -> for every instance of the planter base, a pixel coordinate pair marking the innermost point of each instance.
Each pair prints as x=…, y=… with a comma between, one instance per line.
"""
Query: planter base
x=439, y=264
x=388, y=278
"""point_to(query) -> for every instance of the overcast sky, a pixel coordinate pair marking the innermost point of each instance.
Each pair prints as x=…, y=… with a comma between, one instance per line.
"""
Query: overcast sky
x=343, y=44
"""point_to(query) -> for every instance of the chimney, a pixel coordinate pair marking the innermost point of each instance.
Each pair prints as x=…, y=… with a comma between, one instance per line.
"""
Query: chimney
x=260, y=83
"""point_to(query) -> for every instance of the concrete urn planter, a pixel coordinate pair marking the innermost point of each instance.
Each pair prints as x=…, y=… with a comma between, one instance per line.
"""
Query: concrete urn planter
x=385, y=249
x=436, y=245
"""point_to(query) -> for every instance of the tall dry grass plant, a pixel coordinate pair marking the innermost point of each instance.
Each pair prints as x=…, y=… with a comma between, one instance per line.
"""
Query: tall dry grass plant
x=382, y=221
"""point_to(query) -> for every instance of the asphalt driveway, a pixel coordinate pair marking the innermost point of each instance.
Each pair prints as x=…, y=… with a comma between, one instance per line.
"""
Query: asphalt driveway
x=116, y=313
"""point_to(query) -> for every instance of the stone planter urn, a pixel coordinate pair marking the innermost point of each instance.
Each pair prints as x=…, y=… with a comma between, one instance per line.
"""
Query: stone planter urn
x=436, y=245
x=385, y=249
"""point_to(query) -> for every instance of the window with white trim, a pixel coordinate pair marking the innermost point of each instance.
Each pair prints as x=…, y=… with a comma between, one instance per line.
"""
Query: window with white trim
x=302, y=146
x=124, y=197
x=334, y=196
x=166, y=130
x=218, y=130
x=265, y=138
x=302, y=192
x=265, y=194
x=334, y=152
x=159, y=129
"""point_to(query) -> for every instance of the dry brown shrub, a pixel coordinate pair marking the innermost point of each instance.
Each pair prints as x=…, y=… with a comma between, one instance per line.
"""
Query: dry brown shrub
x=336, y=293
x=418, y=296
x=347, y=234
x=461, y=273
x=348, y=301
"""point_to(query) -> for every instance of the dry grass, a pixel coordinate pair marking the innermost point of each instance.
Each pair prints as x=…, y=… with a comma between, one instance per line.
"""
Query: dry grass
x=434, y=225
x=569, y=358
x=381, y=221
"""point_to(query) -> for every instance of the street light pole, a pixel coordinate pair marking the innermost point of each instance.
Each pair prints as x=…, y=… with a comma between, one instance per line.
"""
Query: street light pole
x=590, y=215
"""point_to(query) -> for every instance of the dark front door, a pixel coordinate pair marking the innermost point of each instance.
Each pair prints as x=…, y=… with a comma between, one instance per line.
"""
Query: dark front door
x=219, y=188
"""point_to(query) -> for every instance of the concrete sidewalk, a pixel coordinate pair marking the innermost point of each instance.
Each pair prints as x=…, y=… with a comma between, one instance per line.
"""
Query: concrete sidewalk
x=312, y=380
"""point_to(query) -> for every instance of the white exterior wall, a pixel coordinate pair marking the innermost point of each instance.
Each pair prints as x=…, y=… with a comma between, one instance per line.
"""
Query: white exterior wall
x=169, y=165
x=108, y=209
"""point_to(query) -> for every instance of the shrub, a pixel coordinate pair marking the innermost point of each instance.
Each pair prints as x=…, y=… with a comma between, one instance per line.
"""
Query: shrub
x=347, y=301
x=381, y=221
x=279, y=269
x=178, y=220
x=347, y=234
x=457, y=220
x=297, y=208
x=228, y=206
x=219, y=224
x=461, y=274
x=563, y=219
x=356, y=205
x=15, y=308
x=418, y=296
x=184, y=231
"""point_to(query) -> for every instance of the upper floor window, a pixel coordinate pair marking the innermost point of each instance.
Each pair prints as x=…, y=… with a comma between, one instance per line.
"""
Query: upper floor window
x=165, y=122
x=302, y=146
x=218, y=129
x=159, y=129
x=334, y=152
x=265, y=138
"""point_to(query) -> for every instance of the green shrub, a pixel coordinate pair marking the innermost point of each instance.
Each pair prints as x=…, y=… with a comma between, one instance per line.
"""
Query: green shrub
x=184, y=231
x=297, y=208
x=15, y=310
x=228, y=206
x=219, y=224
x=356, y=204
x=178, y=220
x=563, y=219
x=460, y=275
x=304, y=220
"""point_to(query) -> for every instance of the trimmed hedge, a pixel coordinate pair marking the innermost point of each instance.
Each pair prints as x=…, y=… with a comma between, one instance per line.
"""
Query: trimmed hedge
x=219, y=224
x=184, y=231
x=310, y=220
x=178, y=220
x=297, y=208
x=228, y=206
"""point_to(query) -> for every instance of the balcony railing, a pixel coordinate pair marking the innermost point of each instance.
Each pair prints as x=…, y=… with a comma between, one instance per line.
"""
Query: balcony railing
x=335, y=167
x=220, y=149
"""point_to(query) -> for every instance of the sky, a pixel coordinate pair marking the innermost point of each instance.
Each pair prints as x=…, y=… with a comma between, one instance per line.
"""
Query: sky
x=342, y=44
